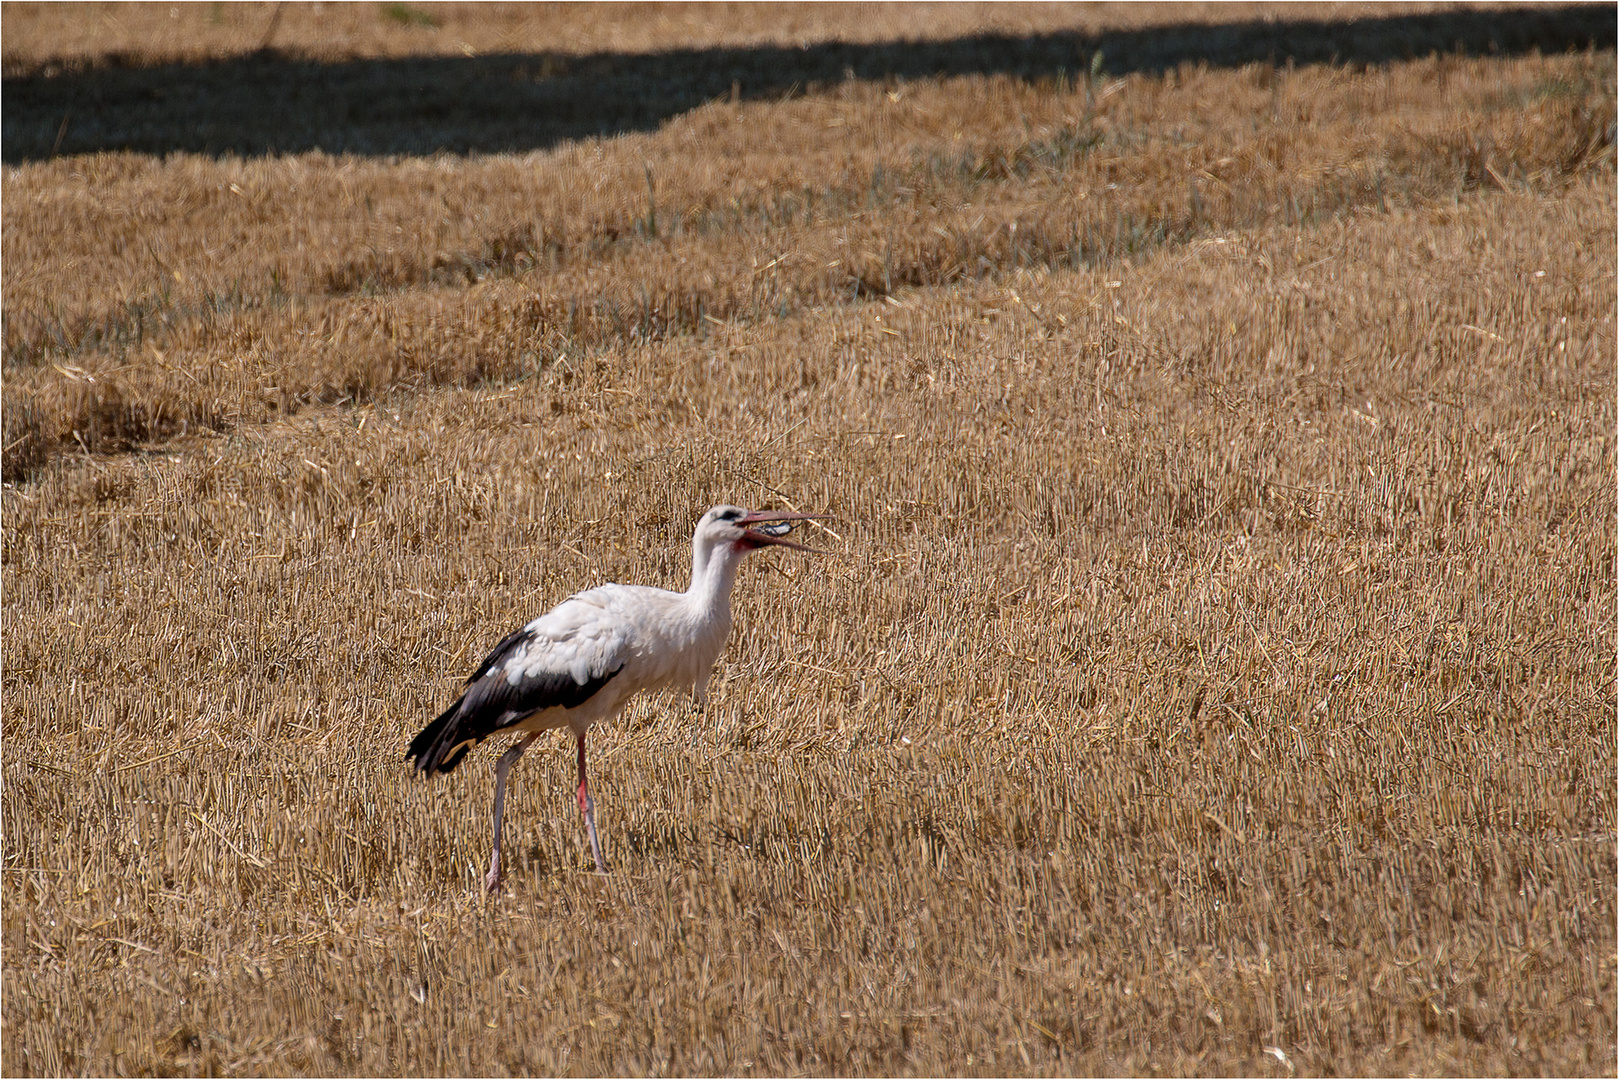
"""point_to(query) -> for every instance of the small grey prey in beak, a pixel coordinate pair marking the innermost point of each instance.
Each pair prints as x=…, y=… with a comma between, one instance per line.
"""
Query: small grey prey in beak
x=583, y=660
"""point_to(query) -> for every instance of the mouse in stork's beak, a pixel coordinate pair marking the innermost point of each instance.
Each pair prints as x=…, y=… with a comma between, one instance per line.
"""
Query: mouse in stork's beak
x=764, y=527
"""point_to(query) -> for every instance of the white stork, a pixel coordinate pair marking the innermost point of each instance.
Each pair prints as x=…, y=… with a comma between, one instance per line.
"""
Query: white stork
x=584, y=659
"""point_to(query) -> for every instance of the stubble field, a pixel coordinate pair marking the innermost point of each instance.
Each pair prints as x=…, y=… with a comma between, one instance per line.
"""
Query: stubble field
x=1213, y=667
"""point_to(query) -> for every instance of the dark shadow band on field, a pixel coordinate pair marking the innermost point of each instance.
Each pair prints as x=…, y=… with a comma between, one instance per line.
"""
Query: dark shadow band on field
x=273, y=103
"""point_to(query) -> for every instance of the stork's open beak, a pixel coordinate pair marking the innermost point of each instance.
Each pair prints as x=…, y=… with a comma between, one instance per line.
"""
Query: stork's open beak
x=774, y=527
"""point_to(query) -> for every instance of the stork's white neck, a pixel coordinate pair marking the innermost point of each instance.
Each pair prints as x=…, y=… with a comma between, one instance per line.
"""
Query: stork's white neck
x=713, y=572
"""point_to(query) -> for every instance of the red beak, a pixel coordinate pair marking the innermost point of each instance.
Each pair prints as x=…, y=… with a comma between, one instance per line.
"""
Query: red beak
x=756, y=538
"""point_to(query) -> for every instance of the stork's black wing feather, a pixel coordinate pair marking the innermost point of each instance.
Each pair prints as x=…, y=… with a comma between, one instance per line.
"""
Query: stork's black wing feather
x=492, y=704
x=492, y=701
x=508, y=644
x=505, y=702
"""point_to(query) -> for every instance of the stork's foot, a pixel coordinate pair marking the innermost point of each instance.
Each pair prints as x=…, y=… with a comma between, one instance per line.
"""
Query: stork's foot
x=491, y=880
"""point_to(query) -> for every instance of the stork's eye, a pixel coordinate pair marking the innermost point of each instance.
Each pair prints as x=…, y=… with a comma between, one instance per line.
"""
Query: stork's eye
x=730, y=515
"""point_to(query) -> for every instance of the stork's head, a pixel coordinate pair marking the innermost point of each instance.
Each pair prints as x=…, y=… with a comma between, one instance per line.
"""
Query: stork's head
x=727, y=533
x=748, y=530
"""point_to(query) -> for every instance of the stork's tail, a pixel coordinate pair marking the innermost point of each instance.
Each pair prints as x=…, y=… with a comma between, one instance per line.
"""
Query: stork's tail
x=440, y=746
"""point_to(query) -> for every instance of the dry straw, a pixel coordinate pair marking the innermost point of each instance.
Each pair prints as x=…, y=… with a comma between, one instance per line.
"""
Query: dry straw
x=1214, y=673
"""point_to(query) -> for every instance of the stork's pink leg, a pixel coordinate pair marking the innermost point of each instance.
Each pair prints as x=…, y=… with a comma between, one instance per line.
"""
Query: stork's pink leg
x=587, y=810
x=491, y=880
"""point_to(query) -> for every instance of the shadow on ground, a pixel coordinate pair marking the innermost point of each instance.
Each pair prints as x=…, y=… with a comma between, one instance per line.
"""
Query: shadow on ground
x=270, y=103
